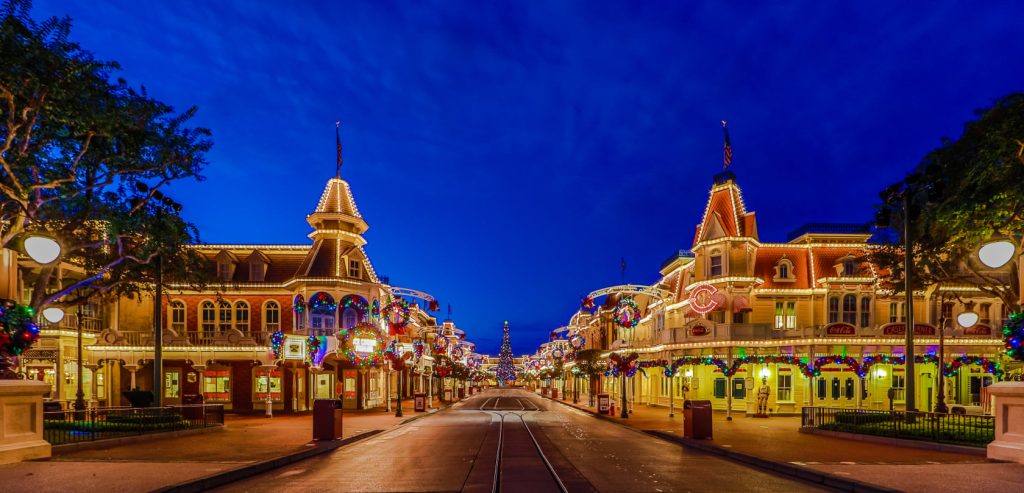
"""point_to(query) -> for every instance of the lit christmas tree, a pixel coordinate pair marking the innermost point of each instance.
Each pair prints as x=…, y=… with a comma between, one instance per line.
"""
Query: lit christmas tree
x=506, y=370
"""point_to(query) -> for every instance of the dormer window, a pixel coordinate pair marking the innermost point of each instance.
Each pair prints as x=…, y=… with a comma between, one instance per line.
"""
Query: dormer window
x=715, y=269
x=784, y=271
x=226, y=262
x=224, y=271
x=849, y=267
x=354, y=269
x=258, y=266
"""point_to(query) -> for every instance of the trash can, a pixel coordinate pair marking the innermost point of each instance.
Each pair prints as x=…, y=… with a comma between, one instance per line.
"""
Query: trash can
x=447, y=395
x=697, y=419
x=554, y=393
x=419, y=402
x=603, y=404
x=327, y=419
x=544, y=391
x=192, y=406
x=462, y=392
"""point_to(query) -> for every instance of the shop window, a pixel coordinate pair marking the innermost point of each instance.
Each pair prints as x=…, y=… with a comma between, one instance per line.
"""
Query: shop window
x=172, y=384
x=271, y=316
x=865, y=312
x=209, y=314
x=822, y=388
x=835, y=388
x=242, y=316
x=848, y=390
x=217, y=385
x=268, y=381
x=716, y=264
x=178, y=316
x=785, y=387
x=833, y=310
x=720, y=388
x=850, y=309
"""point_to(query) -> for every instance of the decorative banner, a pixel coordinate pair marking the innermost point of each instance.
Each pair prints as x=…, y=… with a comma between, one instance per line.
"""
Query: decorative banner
x=703, y=299
x=433, y=306
x=840, y=329
x=623, y=366
x=627, y=313
x=363, y=345
x=577, y=341
x=978, y=330
x=397, y=315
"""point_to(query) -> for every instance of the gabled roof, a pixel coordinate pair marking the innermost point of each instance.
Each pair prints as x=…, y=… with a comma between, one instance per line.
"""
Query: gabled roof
x=726, y=215
x=337, y=199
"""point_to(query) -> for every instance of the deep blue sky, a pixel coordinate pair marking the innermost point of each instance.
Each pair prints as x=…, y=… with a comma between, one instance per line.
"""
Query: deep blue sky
x=507, y=154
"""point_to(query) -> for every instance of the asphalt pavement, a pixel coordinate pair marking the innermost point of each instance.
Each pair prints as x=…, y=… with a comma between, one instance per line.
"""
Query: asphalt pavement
x=523, y=442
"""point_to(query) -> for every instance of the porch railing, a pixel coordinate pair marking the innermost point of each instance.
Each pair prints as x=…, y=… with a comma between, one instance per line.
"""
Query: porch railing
x=960, y=429
x=70, y=426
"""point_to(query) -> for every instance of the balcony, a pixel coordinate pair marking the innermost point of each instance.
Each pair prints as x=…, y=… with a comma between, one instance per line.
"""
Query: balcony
x=231, y=338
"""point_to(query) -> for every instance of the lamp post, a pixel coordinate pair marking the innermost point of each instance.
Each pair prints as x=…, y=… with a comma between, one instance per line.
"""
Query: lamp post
x=79, y=394
x=908, y=274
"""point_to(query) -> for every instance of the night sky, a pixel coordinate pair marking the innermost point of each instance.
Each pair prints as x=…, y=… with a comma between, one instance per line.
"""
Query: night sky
x=507, y=154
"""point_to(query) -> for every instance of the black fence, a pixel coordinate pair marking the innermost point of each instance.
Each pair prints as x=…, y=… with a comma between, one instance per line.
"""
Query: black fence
x=70, y=426
x=960, y=429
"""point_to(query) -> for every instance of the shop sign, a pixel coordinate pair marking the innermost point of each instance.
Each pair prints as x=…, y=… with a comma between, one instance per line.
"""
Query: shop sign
x=364, y=345
x=699, y=330
x=978, y=330
x=899, y=328
x=295, y=347
x=840, y=329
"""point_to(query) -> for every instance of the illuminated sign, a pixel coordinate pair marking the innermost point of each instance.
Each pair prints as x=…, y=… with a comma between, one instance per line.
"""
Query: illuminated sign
x=364, y=345
x=295, y=347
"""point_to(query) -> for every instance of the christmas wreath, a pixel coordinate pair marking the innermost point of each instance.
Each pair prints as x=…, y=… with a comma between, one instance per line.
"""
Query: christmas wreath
x=627, y=313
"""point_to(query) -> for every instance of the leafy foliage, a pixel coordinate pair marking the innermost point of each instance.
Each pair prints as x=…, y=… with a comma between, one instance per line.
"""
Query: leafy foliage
x=961, y=195
x=87, y=159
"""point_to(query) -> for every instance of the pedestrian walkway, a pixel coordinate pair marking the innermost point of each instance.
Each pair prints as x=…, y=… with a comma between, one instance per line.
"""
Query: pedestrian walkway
x=158, y=462
x=778, y=439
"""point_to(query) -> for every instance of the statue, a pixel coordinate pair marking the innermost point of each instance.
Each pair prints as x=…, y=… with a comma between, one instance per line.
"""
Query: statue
x=762, y=398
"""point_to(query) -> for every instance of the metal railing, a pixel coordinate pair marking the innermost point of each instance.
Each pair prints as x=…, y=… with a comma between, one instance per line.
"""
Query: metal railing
x=960, y=429
x=70, y=426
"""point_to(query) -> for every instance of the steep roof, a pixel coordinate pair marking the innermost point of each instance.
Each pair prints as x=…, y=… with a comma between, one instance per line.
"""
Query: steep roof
x=725, y=213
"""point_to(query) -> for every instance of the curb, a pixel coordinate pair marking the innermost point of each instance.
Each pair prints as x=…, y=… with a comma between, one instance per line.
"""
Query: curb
x=68, y=448
x=230, y=476
x=782, y=468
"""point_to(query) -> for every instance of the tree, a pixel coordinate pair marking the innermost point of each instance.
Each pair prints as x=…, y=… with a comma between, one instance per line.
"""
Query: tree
x=961, y=195
x=591, y=366
x=87, y=160
x=506, y=369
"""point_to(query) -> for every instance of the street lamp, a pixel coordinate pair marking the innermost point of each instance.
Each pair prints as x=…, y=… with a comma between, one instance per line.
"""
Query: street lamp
x=53, y=314
x=996, y=254
x=79, y=394
x=40, y=248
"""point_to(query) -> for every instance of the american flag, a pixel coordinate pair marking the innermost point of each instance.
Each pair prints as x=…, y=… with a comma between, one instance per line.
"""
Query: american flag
x=337, y=139
x=727, y=152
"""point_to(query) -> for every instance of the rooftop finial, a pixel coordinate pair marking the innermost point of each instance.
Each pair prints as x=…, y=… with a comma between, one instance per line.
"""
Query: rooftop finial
x=337, y=138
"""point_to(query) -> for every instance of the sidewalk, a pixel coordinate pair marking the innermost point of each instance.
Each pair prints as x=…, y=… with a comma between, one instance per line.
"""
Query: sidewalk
x=777, y=439
x=159, y=462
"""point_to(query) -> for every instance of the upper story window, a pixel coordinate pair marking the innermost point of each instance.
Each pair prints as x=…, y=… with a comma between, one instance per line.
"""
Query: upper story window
x=224, y=316
x=850, y=309
x=865, y=312
x=785, y=315
x=715, y=269
x=242, y=316
x=271, y=316
x=322, y=313
x=833, y=310
x=894, y=312
x=224, y=271
x=349, y=318
x=257, y=271
x=177, y=318
x=849, y=267
x=784, y=270
x=354, y=269
x=984, y=312
x=209, y=317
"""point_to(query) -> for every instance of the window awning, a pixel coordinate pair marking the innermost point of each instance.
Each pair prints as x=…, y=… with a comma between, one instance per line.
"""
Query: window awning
x=741, y=304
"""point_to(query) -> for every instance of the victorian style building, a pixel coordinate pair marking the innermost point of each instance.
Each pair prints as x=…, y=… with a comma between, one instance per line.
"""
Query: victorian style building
x=807, y=317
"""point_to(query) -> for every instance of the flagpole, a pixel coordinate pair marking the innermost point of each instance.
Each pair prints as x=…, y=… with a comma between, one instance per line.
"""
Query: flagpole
x=337, y=140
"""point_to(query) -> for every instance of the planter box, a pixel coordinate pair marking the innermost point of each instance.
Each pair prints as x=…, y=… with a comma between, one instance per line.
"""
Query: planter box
x=1009, y=412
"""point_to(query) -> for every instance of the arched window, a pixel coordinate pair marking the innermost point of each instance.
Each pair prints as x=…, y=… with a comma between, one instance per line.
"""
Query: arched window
x=865, y=312
x=224, y=316
x=209, y=318
x=349, y=318
x=177, y=316
x=271, y=316
x=242, y=316
x=784, y=270
x=322, y=313
x=850, y=309
x=833, y=310
x=716, y=264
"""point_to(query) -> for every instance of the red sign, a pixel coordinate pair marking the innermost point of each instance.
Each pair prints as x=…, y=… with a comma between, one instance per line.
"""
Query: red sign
x=899, y=328
x=978, y=330
x=840, y=329
x=698, y=330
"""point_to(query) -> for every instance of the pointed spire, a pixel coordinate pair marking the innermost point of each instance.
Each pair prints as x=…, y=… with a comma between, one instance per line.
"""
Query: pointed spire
x=337, y=139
